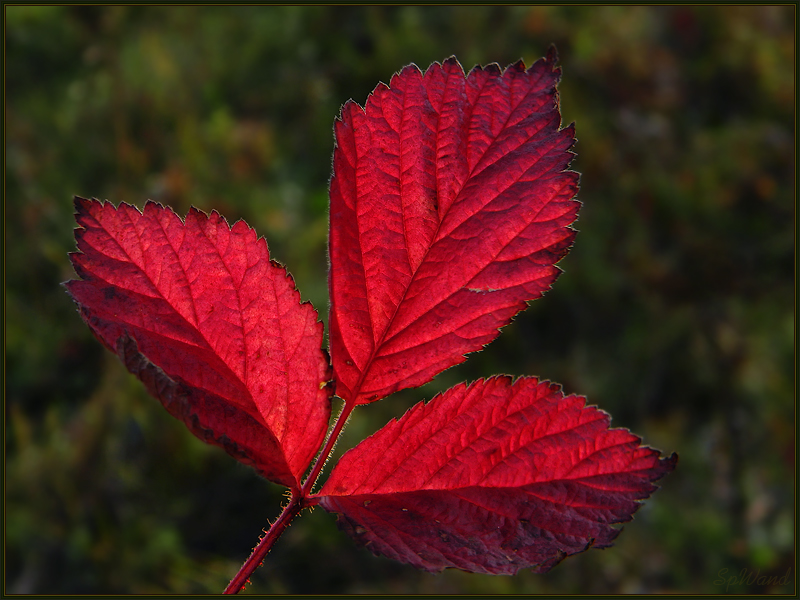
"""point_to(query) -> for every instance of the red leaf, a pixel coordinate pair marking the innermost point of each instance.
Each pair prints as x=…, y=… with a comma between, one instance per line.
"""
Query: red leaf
x=492, y=478
x=450, y=206
x=214, y=329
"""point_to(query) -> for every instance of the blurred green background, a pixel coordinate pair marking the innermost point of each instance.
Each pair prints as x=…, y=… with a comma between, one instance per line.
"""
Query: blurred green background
x=675, y=312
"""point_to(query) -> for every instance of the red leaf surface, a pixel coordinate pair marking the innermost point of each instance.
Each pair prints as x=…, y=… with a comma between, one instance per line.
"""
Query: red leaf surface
x=492, y=478
x=450, y=206
x=214, y=329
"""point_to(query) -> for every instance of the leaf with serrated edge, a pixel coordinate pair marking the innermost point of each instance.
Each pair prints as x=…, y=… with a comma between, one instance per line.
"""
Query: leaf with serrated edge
x=493, y=478
x=450, y=205
x=212, y=326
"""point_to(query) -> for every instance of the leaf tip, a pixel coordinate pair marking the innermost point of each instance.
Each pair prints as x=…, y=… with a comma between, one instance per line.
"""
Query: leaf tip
x=551, y=57
x=669, y=463
x=80, y=201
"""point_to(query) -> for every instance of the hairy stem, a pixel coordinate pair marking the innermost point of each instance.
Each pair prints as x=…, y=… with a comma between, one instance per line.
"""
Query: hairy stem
x=326, y=450
x=290, y=511
x=297, y=502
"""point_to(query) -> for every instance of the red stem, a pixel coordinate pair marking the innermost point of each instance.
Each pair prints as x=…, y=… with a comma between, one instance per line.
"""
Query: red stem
x=241, y=578
x=297, y=502
x=329, y=444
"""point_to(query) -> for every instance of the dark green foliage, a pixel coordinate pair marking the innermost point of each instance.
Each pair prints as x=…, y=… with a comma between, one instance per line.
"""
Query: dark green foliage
x=675, y=312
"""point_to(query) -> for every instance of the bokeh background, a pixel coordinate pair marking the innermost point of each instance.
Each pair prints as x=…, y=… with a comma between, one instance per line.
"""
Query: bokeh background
x=675, y=312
